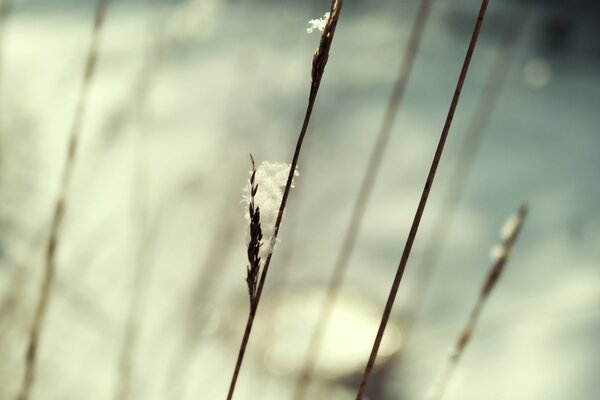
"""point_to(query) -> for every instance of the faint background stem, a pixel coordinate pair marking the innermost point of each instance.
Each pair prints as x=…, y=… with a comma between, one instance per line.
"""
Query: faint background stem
x=499, y=261
x=60, y=207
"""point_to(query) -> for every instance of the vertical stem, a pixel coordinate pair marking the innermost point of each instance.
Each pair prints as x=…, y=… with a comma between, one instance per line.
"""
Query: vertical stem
x=242, y=351
x=470, y=147
x=5, y=8
x=422, y=203
x=364, y=194
x=60, y=207
x=318, y=68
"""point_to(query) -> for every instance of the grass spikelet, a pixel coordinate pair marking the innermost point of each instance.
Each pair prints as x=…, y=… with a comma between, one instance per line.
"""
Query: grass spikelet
x=318, y=68
x=256, y=236
x=508, y=235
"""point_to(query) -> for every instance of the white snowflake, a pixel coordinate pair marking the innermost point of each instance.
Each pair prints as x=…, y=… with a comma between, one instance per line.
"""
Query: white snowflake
x=318, y=24
x=271, y=179
x=510, y=226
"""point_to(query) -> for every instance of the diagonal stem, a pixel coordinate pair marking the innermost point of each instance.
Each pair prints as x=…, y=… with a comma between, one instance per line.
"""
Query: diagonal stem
x=364, y=194
x=422, y=202
x=441, y=382
x=458, y=180
x=318, y=68
x=60, y=207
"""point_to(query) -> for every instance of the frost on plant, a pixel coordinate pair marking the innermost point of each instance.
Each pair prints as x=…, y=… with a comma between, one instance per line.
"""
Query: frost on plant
x=270, y=179
x=507, y=234
x=510, y=226
x=497, y=252
x=318, y=24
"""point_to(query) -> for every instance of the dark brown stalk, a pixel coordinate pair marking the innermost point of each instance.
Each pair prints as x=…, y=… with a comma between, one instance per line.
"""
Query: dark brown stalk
x=496, y=79
x=364, y=194
x=499, y=261
x=422, y=202
x=318, y=68
x=60, y=207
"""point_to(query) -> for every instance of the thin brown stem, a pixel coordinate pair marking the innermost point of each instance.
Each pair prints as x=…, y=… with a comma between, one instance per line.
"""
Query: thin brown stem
x=60, y=207
x=318, y=68
x=364, y=194
x=500, y=259
x=422, y=203
x=471, y=144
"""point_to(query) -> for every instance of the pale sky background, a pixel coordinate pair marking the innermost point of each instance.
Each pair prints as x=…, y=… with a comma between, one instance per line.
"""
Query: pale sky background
x=234, y=79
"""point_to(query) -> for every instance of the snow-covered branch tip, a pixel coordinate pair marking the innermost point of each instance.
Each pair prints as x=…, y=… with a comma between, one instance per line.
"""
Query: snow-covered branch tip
x=262, y=198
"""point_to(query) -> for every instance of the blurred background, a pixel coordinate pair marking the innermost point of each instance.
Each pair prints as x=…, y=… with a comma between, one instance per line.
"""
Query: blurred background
x=149, y=300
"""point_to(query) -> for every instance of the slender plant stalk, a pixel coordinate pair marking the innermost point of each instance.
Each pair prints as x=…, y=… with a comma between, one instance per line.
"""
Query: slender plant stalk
x=423, y=201
x=131, y=107
x=364, y=194
x=60, y=207
x=205, y=287
x=136, y=310
x=318, y=68
x=143, y=260
x=5, y=8
x=439, y=386
x=518, y=20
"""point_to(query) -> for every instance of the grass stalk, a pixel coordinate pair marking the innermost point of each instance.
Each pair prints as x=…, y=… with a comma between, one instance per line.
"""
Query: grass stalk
x=499, y=261
x=205, y=287
x=364, y=194
x=60, y=207
x=146, y=226
x=513, y=32
x=318, y=68
x=422, y=202
x=5, y=9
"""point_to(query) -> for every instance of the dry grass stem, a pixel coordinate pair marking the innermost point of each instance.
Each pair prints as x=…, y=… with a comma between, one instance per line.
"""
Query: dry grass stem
x=518, y=20
x=136, y=310
x=205, y=288
x=60, y=207
x=364, y=194
x=318, y=68
x=148, y=231
x=510, y=233
x=422, y=202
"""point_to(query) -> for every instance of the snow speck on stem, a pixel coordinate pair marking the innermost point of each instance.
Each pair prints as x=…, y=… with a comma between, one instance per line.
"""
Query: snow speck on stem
x=271, y=179
x=318, y=24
